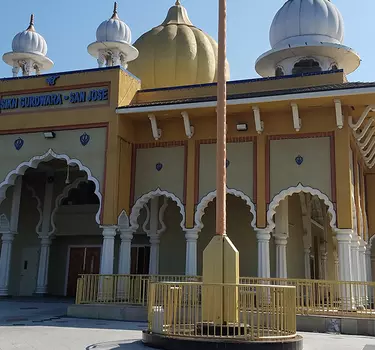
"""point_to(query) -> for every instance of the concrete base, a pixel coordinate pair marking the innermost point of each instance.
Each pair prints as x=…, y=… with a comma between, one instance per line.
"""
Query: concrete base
x=180, y=343
x=349, y=326
x=114, y=312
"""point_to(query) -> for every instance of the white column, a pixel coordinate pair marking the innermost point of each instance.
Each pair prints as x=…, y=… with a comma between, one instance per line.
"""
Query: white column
x=9, y=229
x=368, y=264
x=344, y=237
x=126, y=236
x=5, y=258
x=281, y=262
x=323, y=262
x=106, y=263
x=191, y=236
x=42, y=281
x=154, y=255
x=45, y=239
x=306, y=256
x=337, y=268
x=362, y=270
x=355, y=258
x=263, y=237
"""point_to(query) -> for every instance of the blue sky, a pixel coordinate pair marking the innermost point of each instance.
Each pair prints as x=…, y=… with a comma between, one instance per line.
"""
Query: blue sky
x=70, y=25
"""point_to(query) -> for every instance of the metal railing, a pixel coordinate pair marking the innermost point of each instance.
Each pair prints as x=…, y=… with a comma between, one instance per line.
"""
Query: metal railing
x=120, y=289
x=328, y=298
x=236, y=311
x=313, y=297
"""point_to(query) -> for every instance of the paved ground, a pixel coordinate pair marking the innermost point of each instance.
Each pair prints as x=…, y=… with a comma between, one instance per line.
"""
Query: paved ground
x=30, y=325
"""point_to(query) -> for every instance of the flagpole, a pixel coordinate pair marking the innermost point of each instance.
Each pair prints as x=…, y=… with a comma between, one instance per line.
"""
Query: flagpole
x=221, y=176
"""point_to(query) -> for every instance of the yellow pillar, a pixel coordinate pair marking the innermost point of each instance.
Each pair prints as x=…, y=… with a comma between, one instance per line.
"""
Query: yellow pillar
x=342, y=163
x=109, y=216
x=125, y=169
x=261, y=200
x=190, y=183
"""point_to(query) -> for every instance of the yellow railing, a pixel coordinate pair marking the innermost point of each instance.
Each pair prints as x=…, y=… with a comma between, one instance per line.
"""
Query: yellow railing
x=237, y=311
x=120, y=289
x=328, y=298
x=313, y=297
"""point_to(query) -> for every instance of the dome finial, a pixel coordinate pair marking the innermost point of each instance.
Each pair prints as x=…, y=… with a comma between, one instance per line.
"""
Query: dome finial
x=31, y=28
x=178, y=3
x=115, y=16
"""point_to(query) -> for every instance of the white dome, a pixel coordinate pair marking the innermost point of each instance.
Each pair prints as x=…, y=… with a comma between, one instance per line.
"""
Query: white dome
x=29, y=41
x=114, y=30
x=307, y=21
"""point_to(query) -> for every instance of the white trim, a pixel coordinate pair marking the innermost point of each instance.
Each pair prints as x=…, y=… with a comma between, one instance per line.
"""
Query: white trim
x=68, y=259
x=64, y=194
x=49, y=155
x=201, y=207
x=145, y=198
x=249, y=101
x=297, y=189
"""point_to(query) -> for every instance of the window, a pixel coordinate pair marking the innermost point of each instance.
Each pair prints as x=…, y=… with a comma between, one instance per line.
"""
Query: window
x=306, y=66
x=279, y=72
x=84, y=194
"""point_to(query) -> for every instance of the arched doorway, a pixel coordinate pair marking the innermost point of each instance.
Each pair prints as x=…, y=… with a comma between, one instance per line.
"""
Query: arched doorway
x=240, y=229
x=53, y=206
x=303, y=223
x=158, y=244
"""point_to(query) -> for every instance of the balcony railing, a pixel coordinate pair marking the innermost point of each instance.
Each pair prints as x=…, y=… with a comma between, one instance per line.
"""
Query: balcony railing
x=313, y=297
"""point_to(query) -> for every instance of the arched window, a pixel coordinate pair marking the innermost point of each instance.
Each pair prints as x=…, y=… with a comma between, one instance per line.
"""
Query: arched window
x=306, y=66
x=279, y=72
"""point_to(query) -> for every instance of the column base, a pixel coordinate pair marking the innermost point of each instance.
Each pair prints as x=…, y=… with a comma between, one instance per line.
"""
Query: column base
x=4, y=292
x=41, y=295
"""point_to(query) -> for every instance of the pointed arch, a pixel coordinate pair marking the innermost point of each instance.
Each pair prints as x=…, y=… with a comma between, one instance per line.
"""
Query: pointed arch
x=205, y=201
x=123, y=220
x=65, y=194
x=297, y=189
x=146, y=197
x=49, y=155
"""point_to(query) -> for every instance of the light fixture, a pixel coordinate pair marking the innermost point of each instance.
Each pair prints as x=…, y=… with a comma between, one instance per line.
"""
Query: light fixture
x=242, y=127
x=49, y=134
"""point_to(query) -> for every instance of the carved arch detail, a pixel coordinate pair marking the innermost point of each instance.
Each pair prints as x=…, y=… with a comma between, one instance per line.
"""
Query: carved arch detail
x=297, y=189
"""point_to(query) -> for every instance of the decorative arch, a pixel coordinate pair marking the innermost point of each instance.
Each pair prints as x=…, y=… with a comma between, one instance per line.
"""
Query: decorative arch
x=146, y=197
x=49, y=155
x=370, y=241
x=203, y=204
x=62, y=196
x=297, y=189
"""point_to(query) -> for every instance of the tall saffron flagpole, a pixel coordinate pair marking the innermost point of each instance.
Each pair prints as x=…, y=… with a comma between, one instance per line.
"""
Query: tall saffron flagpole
x=221, y=151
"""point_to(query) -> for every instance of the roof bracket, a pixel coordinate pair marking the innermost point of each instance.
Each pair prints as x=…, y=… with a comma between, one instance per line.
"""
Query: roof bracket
x=189, y=129
x=259, y=125
x=339, y=116
x=296, y=119
x=154, y=127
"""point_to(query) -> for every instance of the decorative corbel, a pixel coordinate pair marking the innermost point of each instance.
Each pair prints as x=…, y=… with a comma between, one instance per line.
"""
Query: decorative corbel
x=259, y=125
x=296, y=119
x=366, y=151
x=372, y=154
x=371, y=164
x=189, y=130
x=154, y=127
x=339, y=116
x=355, y=126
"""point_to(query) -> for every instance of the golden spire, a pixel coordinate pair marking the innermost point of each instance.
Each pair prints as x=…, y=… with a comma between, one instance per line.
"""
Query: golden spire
x=115, y=16
x=178, y=3
x=177, y=14
x=31, y=25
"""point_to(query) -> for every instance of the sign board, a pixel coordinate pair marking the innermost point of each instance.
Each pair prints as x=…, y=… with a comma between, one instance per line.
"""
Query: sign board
x=53, y=100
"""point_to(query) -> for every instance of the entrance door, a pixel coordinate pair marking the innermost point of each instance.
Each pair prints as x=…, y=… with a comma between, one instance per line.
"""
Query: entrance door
x=83, y=260
x=28, y=270
x=140, y=260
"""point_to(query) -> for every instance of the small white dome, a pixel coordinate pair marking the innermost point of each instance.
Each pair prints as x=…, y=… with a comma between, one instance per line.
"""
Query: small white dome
x=307, y=21
x=114, y=30
x=29, y=41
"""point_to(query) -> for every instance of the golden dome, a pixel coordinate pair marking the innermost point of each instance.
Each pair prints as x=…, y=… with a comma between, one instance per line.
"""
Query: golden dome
x=175, y=53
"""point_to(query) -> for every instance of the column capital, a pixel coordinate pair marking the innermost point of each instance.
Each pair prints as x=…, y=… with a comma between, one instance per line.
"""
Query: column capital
x=191, y=234
x=8, y=237
x=126, y=235
x=154, y=239
x=354, y=243
x=344, y=235
x=109, y=231
x=45, y=240
x=281, y=239
x=368, y=252
x=263, y=235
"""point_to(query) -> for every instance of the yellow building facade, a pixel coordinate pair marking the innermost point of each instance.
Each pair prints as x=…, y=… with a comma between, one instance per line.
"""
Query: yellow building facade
x=102, y=173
